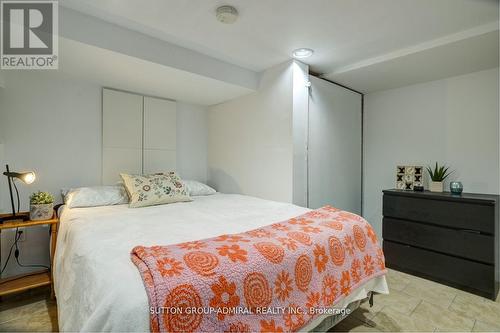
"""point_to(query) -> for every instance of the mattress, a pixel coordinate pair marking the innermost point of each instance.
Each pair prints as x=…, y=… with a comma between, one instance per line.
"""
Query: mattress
x=97, y=286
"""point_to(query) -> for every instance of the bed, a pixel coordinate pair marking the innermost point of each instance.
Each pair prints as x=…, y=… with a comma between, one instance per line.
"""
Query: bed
x=97, y=286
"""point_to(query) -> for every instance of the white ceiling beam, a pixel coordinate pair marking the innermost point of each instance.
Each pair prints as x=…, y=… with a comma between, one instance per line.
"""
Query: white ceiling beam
x=463, y=35
x=93, y=31
x=457, y=58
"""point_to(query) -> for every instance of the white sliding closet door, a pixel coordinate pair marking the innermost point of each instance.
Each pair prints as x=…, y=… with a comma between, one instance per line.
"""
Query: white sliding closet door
x=122, y=135
x=334, y=154
x=160, y=117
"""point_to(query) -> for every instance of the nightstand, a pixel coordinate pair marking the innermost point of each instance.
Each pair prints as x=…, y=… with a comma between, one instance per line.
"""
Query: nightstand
x=35, y=279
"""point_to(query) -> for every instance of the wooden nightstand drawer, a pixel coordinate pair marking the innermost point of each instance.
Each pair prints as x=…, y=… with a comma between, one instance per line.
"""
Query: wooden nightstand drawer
x=466, y=274
x=461, y=243
x=453, y=214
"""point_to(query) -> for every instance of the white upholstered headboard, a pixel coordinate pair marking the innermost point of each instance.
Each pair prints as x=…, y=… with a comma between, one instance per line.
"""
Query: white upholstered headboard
x=139, y=134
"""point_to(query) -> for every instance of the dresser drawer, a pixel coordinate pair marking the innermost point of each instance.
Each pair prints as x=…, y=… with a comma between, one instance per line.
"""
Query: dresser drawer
x=461, y=243
x=458, y=215
x=463, y=273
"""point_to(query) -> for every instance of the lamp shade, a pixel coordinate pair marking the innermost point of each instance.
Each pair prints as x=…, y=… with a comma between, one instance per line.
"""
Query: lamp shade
x=25, y=177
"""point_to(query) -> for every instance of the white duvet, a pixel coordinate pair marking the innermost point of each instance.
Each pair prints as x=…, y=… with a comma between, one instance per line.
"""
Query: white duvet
x=98, y=288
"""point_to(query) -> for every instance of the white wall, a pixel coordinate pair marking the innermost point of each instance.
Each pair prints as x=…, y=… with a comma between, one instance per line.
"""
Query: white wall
x=51, y=123
x=2, y=80
x=250, y=148
x=453, y=121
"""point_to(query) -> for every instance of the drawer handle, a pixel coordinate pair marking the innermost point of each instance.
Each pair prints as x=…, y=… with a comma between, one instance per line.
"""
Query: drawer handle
x=471, y=231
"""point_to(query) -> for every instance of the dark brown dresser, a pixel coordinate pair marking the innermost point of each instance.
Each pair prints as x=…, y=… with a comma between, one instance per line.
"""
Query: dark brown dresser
x=447, y=238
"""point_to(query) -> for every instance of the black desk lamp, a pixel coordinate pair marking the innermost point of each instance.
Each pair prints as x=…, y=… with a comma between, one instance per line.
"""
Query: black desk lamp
x=25, y=177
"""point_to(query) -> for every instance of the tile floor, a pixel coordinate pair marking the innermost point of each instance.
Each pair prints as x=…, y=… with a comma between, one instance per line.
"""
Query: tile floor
x=414, y=304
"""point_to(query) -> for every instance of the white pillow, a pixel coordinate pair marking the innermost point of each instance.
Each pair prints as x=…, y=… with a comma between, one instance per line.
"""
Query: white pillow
x=96, y=196
x=196, y=188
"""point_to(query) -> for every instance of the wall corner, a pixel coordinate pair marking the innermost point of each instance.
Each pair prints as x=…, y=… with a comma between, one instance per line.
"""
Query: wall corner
x=300, y=132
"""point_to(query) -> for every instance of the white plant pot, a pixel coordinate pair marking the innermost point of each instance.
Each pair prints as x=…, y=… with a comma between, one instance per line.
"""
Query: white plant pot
x=41, y=212
x=436, y=187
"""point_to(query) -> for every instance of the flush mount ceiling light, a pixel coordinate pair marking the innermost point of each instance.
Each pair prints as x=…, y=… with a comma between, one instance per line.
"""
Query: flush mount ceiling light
x=226, y=14
x=302, y=53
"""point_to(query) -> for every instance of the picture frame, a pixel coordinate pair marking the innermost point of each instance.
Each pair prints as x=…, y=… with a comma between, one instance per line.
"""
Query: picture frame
x=408, y=176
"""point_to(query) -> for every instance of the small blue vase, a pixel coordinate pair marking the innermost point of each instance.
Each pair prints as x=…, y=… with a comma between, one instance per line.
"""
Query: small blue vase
x=456, y=187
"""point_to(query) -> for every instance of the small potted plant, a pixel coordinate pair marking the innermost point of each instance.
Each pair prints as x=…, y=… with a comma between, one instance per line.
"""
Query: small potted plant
x=41, y=206
x=438, y=175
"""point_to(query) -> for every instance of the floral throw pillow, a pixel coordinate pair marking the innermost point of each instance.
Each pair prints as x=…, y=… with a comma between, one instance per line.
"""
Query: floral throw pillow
x=155, y=189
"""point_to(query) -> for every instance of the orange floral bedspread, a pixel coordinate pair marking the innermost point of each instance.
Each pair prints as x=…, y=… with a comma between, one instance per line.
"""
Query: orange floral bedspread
x=272, y=279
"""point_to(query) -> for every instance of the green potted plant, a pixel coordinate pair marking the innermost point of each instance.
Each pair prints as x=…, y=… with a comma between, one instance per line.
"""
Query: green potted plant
x=438, y=175
x=41, y=206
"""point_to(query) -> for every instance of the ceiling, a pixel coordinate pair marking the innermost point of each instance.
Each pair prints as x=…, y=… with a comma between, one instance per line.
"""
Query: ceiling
x=422, y=64
x=140, y=76
x=342, y=33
